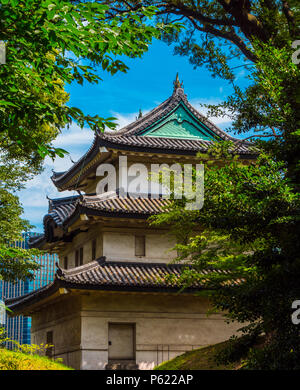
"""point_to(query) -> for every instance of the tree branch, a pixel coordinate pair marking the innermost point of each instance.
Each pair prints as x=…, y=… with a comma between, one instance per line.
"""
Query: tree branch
x=289, y=17
x=230, y=35
x=247, y=22
x=181, y=9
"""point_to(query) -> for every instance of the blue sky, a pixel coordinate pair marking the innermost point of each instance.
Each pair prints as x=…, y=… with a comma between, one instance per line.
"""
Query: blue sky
x=148, y=82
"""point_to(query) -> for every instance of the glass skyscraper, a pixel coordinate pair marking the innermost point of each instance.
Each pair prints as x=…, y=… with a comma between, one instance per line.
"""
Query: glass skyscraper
x=18, y=328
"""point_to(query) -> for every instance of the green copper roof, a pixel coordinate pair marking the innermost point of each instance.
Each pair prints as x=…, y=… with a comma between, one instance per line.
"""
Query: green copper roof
x=180, y=123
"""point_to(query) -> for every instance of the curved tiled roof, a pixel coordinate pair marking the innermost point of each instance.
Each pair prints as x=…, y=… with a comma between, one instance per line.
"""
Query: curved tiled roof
x=178, y=96
x=62, y=211
x=131, y=138
x=61, y=208
x=118, y=204
x=164, y=145
x=122, y=274
x=60, y=177
x=112, y=276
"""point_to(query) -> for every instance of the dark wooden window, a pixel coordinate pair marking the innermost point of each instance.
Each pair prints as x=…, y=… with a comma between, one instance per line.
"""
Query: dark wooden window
x=81, y=256
x=140, y=247
x=66, y=262
x=49, y=341
x=77, y=258
x=94, y=245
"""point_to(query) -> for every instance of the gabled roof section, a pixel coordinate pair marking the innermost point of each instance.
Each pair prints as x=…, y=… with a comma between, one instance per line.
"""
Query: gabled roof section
x=174, y=104
x=60, y=208
x=180, y=124
x=59, y=178
x=173, y=127
x=64, y=211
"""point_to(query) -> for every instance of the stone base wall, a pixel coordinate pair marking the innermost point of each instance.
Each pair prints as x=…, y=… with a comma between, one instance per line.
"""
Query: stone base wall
x=166, y=325
x=159, y=337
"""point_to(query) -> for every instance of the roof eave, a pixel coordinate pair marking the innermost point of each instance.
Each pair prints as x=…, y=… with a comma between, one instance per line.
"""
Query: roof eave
x=38, y=300
x=101, y=213
x=146, y=149
x=28, y=303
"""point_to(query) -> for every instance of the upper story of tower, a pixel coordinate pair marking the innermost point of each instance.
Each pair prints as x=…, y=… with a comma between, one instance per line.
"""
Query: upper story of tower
x=172, y=132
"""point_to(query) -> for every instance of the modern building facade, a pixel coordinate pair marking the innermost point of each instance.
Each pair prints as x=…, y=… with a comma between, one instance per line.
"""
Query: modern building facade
x=112, y=303
x=19, y=328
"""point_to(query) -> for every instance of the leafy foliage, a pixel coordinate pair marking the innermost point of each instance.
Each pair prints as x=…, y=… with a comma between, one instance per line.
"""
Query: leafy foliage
x=236, y=349
x=25, y=348
x=26, y=356
x=269, y=108
x=248, y=228
x=15, y=262
x=48, y=43
x=249, y=225
x=51, y=43
x=219, y=34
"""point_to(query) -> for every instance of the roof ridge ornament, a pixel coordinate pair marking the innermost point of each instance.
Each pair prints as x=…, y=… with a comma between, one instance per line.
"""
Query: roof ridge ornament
x=140, y=114
x=177, y=84
x=59, y=271
x=72, y=161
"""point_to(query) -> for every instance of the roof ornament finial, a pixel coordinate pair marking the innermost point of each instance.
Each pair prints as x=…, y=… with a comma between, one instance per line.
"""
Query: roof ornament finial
x=72, y=161
x=59, y=271
x=49, y=199
x=177, y=84
x=140, y=115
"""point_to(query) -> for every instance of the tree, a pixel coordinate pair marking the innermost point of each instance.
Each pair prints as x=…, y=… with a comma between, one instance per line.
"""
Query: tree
x=51, y=43
x=249, y=229
x=268, y=109
x=15, y=262
x=249, y=225
x=18, y=164
x=218, y=31
x=224, y=35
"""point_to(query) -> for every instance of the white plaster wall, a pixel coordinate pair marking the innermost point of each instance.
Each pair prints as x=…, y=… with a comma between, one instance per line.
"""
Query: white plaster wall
x=83, y=240
x=157, y=339
x=138, y=178
x=121, y=247
x=63, y=319
x=166, y=326
x=116, y=245
x=93, y=360
x=71, y=359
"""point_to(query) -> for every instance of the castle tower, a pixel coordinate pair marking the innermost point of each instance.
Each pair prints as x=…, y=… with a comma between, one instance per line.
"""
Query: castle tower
x=111, y=304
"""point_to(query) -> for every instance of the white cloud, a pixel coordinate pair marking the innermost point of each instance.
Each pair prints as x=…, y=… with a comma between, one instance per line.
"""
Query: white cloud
x=222, y=122
x=125, y=119
x=34, y=196
x=240, y=75
x=74, y=136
